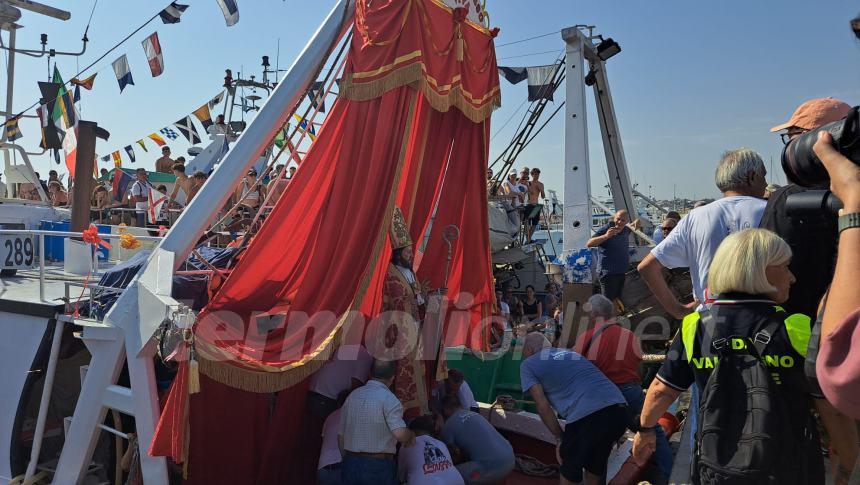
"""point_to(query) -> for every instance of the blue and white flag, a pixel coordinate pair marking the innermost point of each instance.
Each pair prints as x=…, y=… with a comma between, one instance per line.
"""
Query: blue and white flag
x=171, y=13
x=169, y=133
x=130, y=151
x=230, y=10
x=123, y=73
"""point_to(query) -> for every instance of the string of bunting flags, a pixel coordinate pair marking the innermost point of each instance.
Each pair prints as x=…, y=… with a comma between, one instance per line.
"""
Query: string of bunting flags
x=47, y=107
x=184, y=126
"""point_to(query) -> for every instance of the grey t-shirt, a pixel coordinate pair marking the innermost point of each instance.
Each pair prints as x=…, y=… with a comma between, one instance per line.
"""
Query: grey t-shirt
x=476, y=438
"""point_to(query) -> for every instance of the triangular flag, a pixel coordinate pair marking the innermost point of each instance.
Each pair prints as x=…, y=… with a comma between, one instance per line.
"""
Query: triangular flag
x=130, y=152
x=152, y=49
x=140, y=142
x=157, y=139
x=117, y=159
x=171, y=13
x=86, y=83
x=230, y=11
x=77, y=97
x=202, y=113
x=122, y=71
x=186, y=127
x=106, y=158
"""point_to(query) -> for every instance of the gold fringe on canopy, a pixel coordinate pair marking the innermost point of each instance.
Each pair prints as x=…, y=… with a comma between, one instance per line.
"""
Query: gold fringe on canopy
x=221, y=366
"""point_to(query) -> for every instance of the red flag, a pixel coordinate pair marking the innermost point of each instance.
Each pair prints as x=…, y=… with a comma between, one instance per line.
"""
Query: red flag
x=152, y=49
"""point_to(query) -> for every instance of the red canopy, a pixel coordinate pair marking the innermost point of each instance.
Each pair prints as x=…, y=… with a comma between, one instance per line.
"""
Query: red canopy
x=312, y=277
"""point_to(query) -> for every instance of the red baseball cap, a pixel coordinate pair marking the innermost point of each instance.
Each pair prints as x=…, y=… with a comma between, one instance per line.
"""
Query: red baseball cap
x=814, y=113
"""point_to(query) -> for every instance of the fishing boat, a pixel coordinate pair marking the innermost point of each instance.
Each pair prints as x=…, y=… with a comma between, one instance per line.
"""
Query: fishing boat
x=86, y=388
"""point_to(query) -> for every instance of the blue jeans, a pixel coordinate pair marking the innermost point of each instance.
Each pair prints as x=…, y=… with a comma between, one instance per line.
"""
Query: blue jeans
x=329, y=475
x=662, y=458
x=363, y=470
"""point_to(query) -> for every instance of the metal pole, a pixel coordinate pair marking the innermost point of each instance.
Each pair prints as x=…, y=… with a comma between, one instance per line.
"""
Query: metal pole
x=39, y=432
x=41, y=267
x=10, y=85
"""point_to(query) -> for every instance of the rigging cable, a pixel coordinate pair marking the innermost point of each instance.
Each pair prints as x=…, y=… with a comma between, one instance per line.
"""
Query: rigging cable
x=526, y=55
x=528, y=39
x=97, y=60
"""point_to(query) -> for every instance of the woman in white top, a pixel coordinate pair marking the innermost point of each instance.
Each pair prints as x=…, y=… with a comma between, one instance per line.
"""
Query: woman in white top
x=250, y=193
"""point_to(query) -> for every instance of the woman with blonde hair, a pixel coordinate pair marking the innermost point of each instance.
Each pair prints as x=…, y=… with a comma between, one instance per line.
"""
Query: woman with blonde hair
x=748, y=278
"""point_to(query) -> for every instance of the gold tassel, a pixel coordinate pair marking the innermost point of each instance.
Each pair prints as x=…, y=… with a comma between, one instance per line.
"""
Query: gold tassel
x=459, y=44
x=193, y=376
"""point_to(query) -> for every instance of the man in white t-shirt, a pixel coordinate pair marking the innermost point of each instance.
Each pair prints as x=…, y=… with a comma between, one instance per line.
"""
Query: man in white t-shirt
x=741, y=178
x=140, y=196
x=429, y=461
x=348, y=368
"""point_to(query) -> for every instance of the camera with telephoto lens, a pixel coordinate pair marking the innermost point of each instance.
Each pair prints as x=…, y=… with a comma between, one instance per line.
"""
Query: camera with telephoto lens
x=804, y=168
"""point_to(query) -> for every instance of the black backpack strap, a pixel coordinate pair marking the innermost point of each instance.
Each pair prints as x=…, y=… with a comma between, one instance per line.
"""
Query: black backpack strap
x=594, y=337
x=765, y=335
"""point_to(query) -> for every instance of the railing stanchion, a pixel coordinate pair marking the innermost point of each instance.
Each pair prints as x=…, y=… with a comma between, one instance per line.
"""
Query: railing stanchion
x=41, y=267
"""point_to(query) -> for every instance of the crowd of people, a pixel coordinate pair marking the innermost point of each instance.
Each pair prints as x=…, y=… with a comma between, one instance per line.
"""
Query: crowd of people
x=525, y=192
x=109, y=206
x=770, y=292
x=366, y=438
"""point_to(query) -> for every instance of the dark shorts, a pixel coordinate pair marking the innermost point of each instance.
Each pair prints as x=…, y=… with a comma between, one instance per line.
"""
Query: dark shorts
x=587, y=442
x=611, y=285
x=532, y=213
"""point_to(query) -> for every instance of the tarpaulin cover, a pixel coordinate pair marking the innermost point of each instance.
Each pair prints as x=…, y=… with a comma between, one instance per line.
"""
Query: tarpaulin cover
x=312, y=276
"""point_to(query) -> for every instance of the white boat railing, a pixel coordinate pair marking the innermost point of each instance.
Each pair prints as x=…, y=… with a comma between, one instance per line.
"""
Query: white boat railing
x=41, y=234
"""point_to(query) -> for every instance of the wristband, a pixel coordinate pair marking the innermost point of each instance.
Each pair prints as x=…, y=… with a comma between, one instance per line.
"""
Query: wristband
x=848, y=221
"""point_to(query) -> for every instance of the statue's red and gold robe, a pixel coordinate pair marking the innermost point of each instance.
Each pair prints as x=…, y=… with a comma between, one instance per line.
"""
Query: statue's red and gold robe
x=411, y=385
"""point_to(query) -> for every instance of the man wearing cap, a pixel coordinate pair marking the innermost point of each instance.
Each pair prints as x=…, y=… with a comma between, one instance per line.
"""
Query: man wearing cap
x=813, y=241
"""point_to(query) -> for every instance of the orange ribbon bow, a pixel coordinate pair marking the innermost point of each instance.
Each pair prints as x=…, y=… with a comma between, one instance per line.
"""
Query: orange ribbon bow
x=91, y=236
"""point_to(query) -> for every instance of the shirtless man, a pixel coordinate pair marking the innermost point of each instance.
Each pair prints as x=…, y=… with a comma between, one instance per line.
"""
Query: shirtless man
x=197, y=181
x=164, y=164
x=533, y=207
x=277, y=186
x=179, y=196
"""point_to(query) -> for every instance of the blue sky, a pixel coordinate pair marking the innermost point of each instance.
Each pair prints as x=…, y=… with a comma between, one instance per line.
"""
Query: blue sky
x=694, y=78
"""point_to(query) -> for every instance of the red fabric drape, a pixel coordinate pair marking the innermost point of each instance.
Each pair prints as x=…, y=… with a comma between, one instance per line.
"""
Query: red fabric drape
x=324, y=250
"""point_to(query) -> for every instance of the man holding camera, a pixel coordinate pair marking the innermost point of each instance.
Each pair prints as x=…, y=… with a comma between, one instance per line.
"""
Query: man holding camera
x=812, y=234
